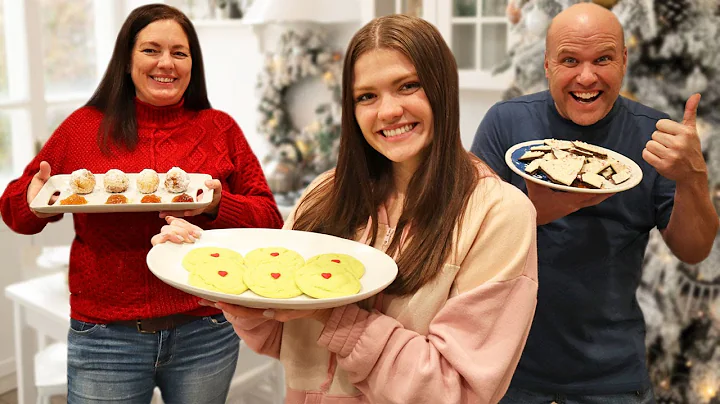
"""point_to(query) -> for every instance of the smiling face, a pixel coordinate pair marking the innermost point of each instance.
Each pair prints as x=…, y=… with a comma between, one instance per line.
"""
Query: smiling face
x=585, y=62
x=161, y=63
x=391, y=107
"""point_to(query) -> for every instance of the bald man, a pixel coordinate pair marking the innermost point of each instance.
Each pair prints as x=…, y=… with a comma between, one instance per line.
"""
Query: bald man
x=587, y=344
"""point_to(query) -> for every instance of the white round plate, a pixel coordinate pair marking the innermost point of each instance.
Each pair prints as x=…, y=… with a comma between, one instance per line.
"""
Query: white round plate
x=165, y=261
x=518, y=167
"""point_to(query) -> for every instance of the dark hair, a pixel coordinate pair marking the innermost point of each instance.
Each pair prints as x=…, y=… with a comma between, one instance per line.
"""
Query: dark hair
x=115, y=95
x=439, y=190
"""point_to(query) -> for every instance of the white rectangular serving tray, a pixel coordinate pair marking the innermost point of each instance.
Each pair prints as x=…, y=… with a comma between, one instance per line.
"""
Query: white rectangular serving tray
x=97, y=198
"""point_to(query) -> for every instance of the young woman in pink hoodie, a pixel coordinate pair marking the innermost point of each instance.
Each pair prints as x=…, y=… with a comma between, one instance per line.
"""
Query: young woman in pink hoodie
x=451, y=327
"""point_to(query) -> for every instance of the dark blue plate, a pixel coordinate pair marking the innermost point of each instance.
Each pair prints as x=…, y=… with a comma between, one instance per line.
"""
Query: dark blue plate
x=513, y=154
x=517, y=153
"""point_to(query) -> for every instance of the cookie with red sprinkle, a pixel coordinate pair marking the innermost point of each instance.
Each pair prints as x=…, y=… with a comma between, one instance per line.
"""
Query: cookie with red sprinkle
x=272, y=279
x=212, y=257
x=322, y=281
x=282, y=257
x=340, y=260
x=219, y=278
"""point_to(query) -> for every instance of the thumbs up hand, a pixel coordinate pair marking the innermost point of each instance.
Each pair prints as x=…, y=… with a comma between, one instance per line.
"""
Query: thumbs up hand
x=675, y=150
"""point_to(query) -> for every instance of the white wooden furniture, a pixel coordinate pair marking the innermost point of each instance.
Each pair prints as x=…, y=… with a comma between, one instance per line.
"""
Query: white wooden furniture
x=51, y=372
x=42, y=304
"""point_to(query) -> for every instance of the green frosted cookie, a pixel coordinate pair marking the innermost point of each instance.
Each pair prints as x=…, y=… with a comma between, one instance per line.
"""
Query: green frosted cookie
x=282, y=257
x=339, y=261
x=325, y=281
x=272, y=279
x=218, y=278
x=211, y=256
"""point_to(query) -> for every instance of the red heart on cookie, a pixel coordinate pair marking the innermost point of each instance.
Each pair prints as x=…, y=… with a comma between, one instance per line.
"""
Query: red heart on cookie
x=275, y=275
x=326, y=275
x=222, y=273
x=215, y=255
x=336, y=261
x=274, y=254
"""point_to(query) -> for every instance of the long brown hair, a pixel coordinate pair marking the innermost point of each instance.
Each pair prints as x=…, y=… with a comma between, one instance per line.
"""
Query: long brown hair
x=115, y=95
x=438, y=191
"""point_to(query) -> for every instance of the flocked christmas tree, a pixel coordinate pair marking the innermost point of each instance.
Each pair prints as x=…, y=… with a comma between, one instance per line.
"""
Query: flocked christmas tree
x=673, y=52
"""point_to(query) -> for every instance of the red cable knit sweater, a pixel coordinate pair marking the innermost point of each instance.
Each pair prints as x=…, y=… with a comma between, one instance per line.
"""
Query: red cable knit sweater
x=108, y=277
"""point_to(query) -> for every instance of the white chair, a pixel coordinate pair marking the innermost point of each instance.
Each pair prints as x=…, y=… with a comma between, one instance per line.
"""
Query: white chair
x=51, y=372
x=50, y=361
x=258, y=379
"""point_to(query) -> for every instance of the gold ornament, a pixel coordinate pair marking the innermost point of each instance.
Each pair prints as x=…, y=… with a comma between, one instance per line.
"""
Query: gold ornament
x=303, y=147
x=606, y=3
x=628, y=95
x=708, y=391
x=632, y=42
x=716, y=202
x=513, y=13
x=313, y=128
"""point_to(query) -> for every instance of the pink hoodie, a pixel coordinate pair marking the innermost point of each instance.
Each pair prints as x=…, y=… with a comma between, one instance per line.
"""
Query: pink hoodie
x=456, y=340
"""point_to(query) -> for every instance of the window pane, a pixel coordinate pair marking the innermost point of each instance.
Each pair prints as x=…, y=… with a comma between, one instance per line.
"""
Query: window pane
x=56, y=115
x=3, y=62
x=493, y=8
x=464, y=8
x=68, y=46
x=412, y=7
x=6, y=162
x=463, y=45
x=494, y=45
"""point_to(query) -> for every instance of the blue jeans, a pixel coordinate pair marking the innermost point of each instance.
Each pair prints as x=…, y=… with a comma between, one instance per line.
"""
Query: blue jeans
x=193, y=363
x=520, y=396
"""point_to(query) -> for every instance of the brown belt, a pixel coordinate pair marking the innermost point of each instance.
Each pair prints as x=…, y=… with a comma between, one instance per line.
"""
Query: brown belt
x=153, y=325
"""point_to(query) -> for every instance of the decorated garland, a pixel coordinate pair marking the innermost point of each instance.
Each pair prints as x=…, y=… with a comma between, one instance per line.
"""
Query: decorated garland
x=300, y=56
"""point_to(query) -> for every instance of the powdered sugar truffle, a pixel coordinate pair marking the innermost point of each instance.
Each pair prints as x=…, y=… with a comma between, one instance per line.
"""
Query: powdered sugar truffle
x=177, y=180
x=147, y=181
x=82, y=181
x=115, y=181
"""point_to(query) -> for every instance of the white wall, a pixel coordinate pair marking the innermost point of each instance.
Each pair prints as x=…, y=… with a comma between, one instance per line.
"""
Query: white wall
x=473, y=106
x=232, y=57
x=232, y=62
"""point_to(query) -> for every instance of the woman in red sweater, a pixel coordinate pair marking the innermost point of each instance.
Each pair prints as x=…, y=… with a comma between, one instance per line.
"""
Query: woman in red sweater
x=129, y=331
